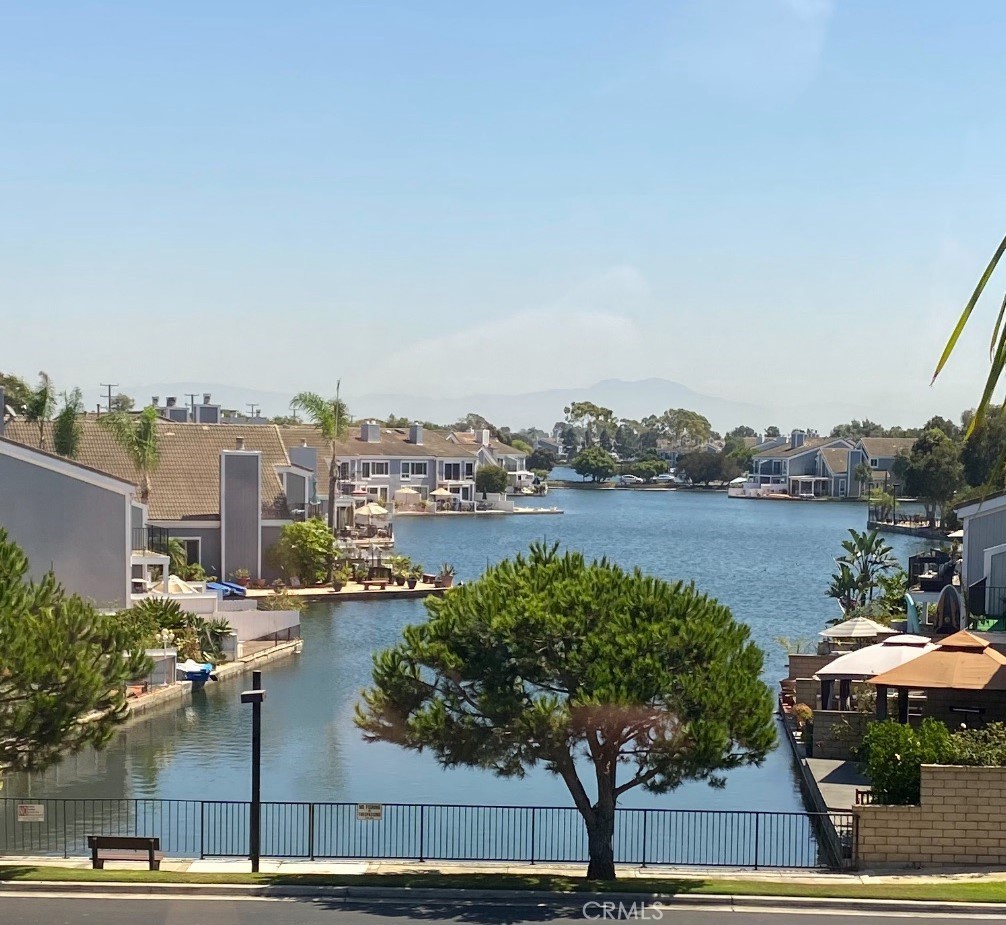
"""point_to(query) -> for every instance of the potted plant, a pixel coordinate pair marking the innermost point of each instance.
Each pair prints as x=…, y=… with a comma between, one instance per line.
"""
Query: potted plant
x=445, y=578
x=415, y=573
x=400, y=568
x=342, y=574
x=242, y=576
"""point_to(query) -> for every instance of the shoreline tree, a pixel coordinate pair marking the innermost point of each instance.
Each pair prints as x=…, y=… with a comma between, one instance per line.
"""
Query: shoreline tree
x=61, y=661
x=932, y=472
x=594, y=462
x=582, y=668
x=491, y=478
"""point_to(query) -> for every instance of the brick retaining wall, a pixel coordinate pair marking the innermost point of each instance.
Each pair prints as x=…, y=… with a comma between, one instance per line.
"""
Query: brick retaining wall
x=836, y=732
x=962, y=820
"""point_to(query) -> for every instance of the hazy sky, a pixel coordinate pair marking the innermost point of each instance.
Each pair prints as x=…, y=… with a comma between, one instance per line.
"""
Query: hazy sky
x=772, y=200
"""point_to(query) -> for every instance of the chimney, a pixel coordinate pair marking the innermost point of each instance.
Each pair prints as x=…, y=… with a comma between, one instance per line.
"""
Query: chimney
x=796, y=439
x=416, y=434
x=170, y=401
x=241, y=443
x=370, y=432
x=206, y=398
x=155, y=400
x=484, y=437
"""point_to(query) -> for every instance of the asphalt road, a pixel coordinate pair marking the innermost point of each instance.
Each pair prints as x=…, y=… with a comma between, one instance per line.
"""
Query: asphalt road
x=43, y=909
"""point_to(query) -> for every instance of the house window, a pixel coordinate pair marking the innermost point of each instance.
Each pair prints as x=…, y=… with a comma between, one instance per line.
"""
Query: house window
x=344, y=470
x=410, y=469
x=874, y=463
x=371, y=468
x=452, y=472
x=469, y=470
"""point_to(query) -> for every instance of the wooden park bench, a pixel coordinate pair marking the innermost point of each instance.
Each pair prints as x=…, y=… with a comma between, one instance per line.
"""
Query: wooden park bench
x=124, y=848
x=369, y=583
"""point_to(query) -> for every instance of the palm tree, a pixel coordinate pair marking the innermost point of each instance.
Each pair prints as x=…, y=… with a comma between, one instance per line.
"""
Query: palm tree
x=864, y=475
x=137, y=435
x=67, y=429
x=867, y=556
x=331, y=418
x=41, y=405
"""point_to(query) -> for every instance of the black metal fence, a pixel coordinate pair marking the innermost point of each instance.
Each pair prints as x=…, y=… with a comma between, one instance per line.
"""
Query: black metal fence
x=413, y=831
x=150, y=539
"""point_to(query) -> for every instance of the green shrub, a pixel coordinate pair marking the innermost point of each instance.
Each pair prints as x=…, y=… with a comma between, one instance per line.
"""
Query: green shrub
x=282, y=600
x=491, y=479
x=980, y=747
x=894, y=754
x=304, y=550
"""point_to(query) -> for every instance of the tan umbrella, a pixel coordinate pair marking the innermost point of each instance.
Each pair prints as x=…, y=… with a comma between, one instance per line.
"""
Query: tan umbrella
x=407, y=493
x=857, y=628
x=371, y=509
x=442, y=493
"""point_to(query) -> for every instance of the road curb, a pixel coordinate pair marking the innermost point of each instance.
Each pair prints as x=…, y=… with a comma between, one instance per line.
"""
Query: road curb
x=350, y=894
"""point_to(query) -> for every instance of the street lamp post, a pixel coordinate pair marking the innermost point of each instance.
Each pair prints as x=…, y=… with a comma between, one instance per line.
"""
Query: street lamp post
x=255, y=698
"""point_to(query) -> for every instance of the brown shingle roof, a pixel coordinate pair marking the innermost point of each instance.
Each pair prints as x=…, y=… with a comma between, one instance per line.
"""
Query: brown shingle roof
x=887, y=446
x=394, y=443
x=467, y=438
x=837, y=459
x=186, y=485
x=785, y=450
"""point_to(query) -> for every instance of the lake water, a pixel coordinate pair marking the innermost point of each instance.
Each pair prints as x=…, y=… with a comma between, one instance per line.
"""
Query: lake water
x=769, y=561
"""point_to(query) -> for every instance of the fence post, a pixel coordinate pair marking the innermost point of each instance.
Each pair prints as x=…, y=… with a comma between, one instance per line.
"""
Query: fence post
x=646, y=812
x=757, y=828
x=422, y=819
x=310, y=830
x=66, y=847
x=202, y=829
x=532, y=833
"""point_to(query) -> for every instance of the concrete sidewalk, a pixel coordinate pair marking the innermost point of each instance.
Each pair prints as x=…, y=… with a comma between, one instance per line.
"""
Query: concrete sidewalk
x=349, y=868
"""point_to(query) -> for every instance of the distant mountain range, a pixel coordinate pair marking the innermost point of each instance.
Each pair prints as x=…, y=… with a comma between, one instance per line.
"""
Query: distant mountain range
x=634, y=399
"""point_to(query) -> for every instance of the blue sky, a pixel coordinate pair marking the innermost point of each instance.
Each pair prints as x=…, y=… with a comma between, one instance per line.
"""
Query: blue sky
x=782, y=201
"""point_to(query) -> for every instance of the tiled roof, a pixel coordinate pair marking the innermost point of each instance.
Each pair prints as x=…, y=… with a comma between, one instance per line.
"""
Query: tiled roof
x=837, y=459
x=394, y=444
x=468, y=438
x=781, y=452
x=186, y=484
x=887, y=446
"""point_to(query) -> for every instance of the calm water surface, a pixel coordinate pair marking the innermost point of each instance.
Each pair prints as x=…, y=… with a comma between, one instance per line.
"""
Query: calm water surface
x=769, y=561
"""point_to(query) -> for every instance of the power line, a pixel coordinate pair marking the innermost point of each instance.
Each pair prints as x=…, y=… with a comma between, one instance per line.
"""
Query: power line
x=109, y=386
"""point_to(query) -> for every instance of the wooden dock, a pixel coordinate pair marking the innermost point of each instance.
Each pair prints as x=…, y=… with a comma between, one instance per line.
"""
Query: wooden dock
x=352, y=591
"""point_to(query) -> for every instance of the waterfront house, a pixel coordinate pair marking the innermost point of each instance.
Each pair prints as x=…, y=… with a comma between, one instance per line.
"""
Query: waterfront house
x=224, y=491
x=492, y=452
x=798, y=468
x=83, y=524
x=983, y=565
x=879, y=453
x=375, y=462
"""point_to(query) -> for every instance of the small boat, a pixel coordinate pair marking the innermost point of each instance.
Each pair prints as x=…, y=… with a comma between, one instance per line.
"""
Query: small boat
x=196, y=672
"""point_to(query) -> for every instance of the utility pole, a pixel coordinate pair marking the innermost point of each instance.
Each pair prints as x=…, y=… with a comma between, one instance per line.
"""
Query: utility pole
x=255, y=698
x=191, y=396
x=253, y=409
x=109, y=386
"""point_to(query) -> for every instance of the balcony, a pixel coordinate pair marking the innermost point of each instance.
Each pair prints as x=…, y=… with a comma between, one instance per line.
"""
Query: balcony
x=150, y=539
x=987, y=607
x=931, y=571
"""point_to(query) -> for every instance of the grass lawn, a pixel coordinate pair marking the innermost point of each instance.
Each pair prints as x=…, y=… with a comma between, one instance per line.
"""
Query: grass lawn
x=957, y=891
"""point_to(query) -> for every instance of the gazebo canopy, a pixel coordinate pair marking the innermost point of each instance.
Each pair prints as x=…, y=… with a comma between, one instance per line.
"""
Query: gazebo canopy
x=865, y=663
x=857, y=628
x=962, y=662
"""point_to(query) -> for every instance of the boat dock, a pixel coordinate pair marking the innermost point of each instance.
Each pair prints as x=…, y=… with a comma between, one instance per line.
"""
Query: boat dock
x=352, y=591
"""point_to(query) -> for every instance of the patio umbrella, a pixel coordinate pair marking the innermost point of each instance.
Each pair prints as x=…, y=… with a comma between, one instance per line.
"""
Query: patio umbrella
x=857, y=628
x=441, y=493
x=371, y=509
x=406, y=493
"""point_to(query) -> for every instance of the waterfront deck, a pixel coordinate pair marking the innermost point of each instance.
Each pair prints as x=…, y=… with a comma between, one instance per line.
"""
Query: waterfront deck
x=352, y=591
x=837, y=781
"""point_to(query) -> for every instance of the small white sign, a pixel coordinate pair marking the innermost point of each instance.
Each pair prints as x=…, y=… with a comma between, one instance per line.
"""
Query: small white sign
x=369, y=812
x=31, y=812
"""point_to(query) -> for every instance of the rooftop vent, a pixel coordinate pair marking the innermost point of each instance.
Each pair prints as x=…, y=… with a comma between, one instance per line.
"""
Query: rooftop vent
x=241, y=443
x=206, y=398
x=170, y=401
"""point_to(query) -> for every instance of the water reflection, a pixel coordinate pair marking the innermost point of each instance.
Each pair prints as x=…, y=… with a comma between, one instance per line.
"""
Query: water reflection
x=768, y=561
